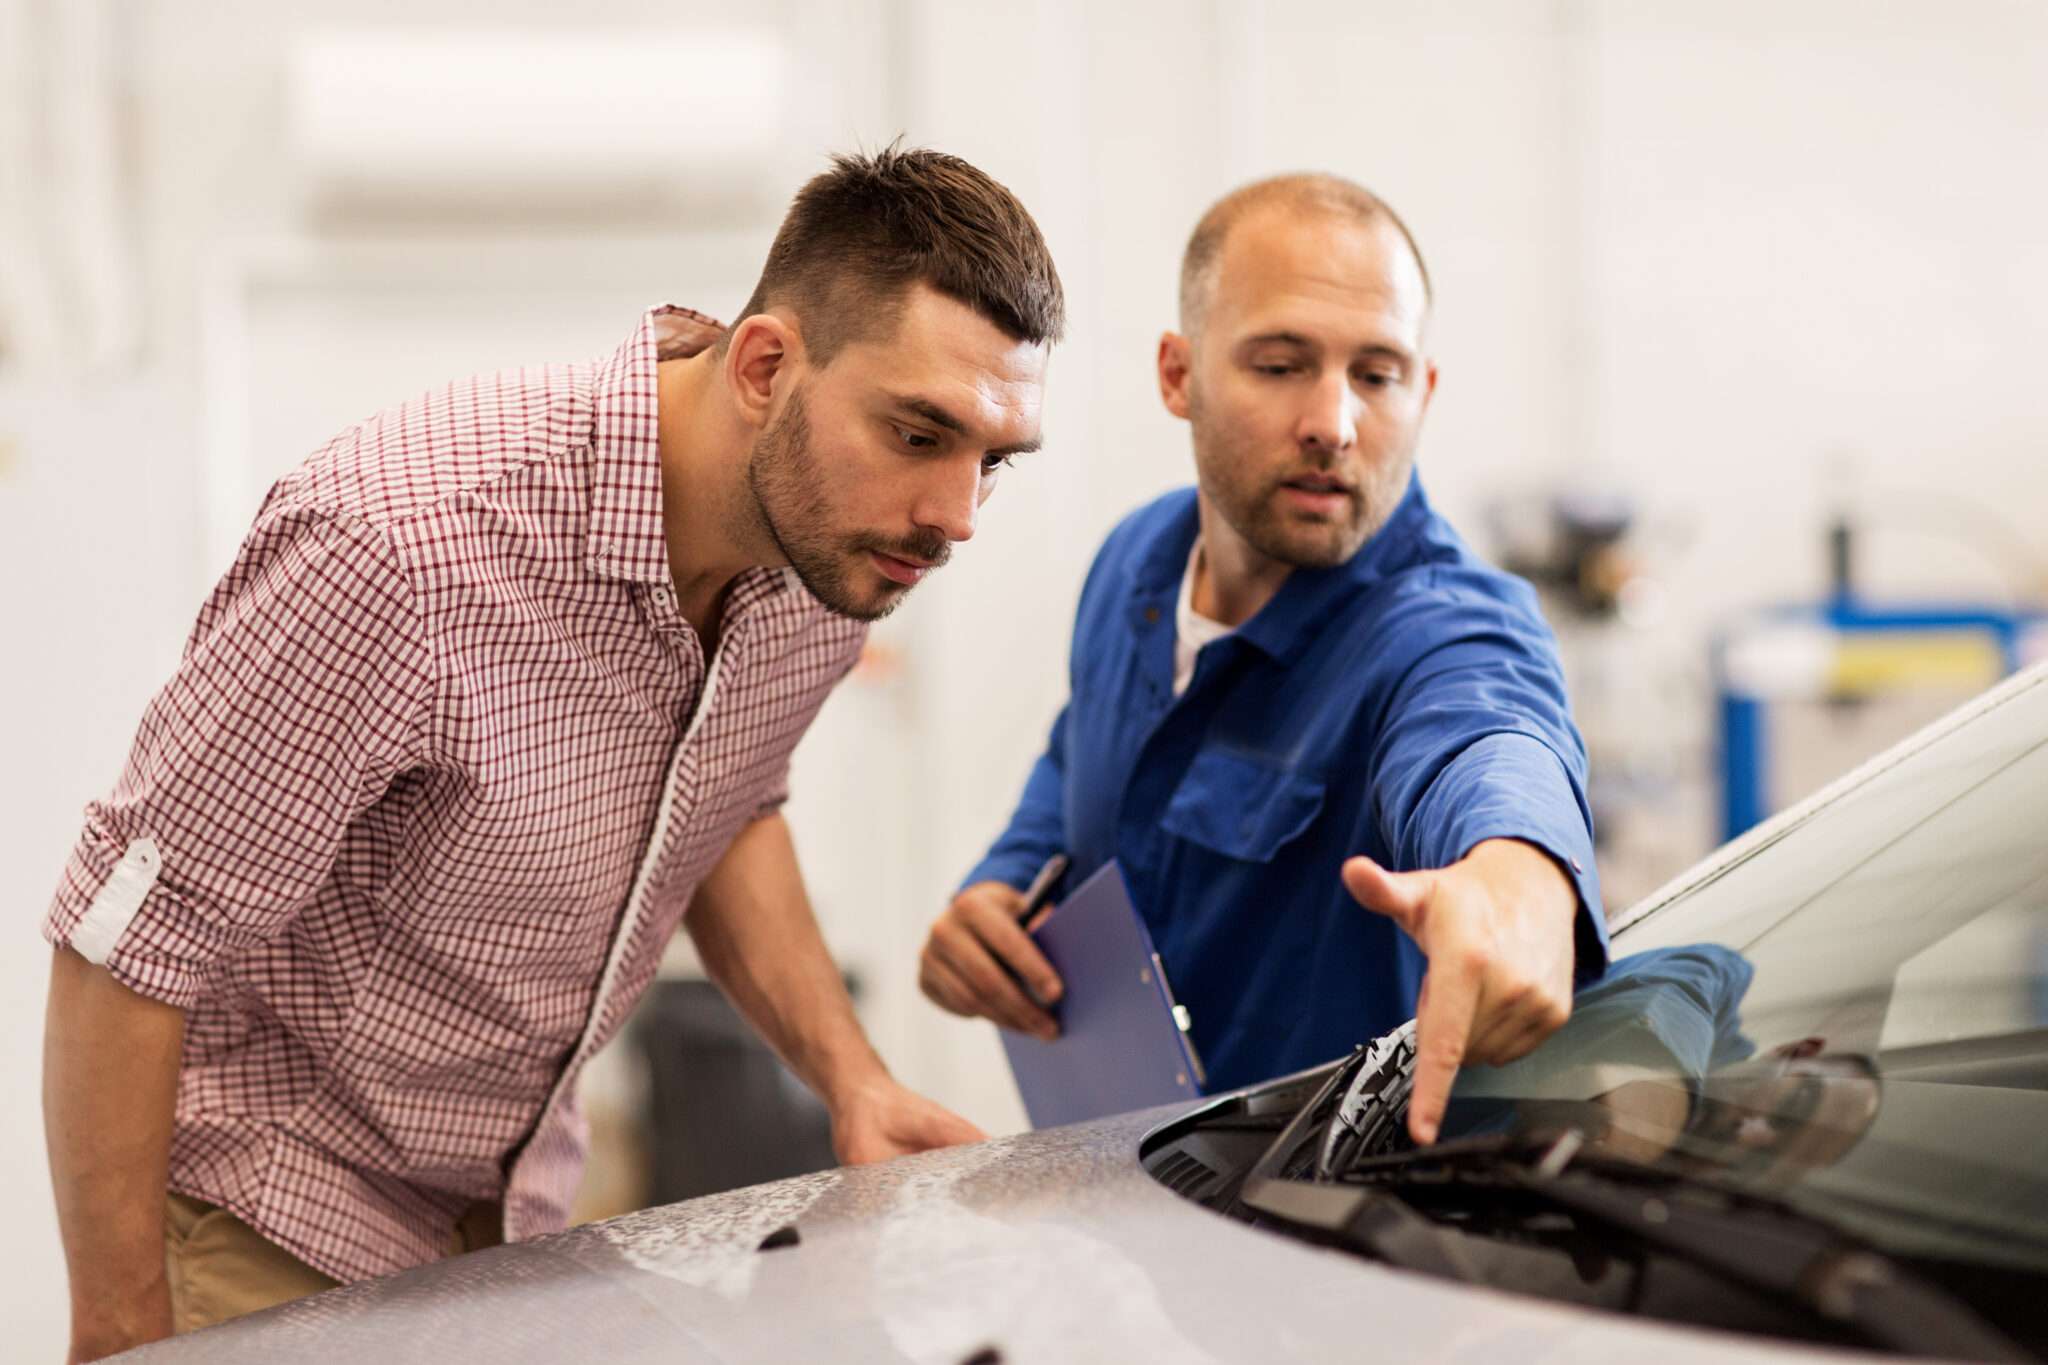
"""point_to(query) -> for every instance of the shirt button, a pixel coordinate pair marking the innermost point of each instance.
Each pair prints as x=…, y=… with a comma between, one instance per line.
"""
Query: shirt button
x=1151, y=616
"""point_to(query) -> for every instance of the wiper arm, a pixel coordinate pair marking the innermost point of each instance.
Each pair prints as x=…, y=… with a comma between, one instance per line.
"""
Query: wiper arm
x=1330, y=1175
x=1746, y=1240
x=1379, y=1224
x=1779, y=1251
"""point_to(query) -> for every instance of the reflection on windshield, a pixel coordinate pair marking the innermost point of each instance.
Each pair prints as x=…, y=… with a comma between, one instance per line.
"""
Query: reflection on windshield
x=1853, y=1018
x=1656, y=1049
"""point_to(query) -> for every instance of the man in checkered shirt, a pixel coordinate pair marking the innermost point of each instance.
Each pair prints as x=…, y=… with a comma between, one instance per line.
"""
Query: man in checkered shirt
x=502, y=683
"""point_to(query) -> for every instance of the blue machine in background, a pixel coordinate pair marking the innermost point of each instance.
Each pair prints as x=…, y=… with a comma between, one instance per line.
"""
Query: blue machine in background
x=1844, y=650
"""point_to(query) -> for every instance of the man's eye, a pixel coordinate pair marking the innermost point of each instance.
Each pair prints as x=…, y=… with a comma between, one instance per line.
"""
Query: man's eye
x=991, y=463
x=1277, y=368
x=1376, y=379
x=915, y=440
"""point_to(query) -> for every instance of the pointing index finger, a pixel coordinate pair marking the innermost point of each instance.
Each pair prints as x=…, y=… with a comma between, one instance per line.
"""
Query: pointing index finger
x=1442, y=1030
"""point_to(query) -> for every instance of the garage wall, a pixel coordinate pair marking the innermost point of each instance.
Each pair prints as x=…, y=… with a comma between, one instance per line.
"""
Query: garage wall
x=1813, y=281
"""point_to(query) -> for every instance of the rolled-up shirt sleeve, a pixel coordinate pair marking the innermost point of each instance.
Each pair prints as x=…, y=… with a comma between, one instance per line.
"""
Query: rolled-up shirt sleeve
x=1478, y=744
x=305, y=689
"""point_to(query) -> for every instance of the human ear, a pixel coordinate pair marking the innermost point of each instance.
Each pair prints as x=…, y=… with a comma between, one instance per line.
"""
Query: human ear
x=1176, y=358
x=763, y=349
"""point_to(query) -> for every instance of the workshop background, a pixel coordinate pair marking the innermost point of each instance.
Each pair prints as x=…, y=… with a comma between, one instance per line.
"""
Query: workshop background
x=1741, y=313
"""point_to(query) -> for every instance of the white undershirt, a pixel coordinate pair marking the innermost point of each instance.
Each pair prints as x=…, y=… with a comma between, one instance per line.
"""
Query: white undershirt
x=1191, y=630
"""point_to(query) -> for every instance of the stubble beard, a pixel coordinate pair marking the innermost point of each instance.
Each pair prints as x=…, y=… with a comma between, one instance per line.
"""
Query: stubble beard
x=788, y=503
x=1254, y=507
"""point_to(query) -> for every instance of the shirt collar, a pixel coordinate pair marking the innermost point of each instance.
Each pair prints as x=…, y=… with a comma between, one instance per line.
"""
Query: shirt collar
x=1309, y=598
x=626, y=539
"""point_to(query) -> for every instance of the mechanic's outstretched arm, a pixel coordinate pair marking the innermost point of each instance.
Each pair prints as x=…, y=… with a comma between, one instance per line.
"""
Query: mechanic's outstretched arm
x=1479, y=780
x=110, y=1087
x=1498, y=927
x=753, y=927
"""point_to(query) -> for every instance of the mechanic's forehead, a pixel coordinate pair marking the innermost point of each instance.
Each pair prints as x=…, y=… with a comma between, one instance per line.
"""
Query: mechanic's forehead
x=1327, y=277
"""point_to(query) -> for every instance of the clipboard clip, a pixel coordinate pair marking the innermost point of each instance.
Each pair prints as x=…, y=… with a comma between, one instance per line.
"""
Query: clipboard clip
x=1183, y=1021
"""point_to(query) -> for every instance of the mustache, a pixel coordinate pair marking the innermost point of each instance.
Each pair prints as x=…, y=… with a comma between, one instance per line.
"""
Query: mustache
x=929, y=547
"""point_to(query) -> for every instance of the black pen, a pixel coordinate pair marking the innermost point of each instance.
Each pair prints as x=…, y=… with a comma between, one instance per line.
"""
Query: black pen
x=1040, y=890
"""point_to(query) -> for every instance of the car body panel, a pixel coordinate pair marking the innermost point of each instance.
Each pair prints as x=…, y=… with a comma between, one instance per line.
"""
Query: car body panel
x=1053, y=1246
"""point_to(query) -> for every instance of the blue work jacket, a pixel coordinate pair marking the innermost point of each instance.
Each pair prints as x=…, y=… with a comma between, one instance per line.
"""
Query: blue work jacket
x=1406, y=705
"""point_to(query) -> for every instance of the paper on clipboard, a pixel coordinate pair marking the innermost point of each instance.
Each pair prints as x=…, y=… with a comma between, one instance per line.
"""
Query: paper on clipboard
x=1120, y=1047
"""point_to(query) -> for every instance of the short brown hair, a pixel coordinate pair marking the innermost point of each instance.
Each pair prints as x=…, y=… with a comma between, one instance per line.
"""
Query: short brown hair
x=1314, y=191
x=858, y=236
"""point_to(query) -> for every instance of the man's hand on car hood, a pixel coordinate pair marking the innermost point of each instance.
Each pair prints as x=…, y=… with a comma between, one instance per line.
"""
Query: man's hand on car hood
x=881, y=1119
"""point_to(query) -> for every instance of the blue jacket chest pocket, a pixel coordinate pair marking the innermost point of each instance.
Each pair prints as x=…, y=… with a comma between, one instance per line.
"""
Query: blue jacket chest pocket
x=1241, y=808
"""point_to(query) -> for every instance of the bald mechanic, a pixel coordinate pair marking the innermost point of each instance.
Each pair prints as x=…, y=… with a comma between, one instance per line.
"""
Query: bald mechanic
x=503, y=682
x=1328, y=745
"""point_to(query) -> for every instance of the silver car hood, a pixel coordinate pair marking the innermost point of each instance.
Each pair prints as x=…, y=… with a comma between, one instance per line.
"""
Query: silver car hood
x=1053, y=1246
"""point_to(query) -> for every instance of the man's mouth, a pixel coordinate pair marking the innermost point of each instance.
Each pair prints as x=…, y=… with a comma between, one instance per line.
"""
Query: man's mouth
x=1318, y=494
x=901, y=570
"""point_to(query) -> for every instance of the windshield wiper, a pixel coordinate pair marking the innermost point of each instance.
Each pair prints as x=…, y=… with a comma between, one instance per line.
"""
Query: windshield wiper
x=1745, y=1240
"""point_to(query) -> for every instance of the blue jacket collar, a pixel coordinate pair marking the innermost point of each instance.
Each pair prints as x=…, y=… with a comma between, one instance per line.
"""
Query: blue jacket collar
x=1285, y=625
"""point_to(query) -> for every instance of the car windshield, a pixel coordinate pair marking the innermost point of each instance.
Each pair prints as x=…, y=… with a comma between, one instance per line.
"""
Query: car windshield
x=1848, y=1012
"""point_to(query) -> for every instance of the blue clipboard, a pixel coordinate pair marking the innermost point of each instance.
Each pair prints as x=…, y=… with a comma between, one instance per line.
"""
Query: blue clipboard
x=1121, y=1045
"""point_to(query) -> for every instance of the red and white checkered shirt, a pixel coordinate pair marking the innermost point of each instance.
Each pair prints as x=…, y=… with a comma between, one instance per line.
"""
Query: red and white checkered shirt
x=408, y=829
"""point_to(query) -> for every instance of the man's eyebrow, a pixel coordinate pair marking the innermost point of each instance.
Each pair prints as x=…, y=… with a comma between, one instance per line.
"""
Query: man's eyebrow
x=1020, y=448
x=939, y=417
x=1281, y=338
x=1386, y=349
x=1286, y=338
x=930, y=411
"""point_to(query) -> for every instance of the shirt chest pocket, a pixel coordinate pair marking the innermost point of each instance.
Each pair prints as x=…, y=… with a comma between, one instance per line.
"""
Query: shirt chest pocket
x=1241, y=808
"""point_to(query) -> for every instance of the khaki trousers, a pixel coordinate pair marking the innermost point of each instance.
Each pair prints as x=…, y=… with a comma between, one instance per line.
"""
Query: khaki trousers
x=219, y=1267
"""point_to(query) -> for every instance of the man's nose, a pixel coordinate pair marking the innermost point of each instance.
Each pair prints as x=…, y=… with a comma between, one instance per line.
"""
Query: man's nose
x=1330, y=421
x=952, y=496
